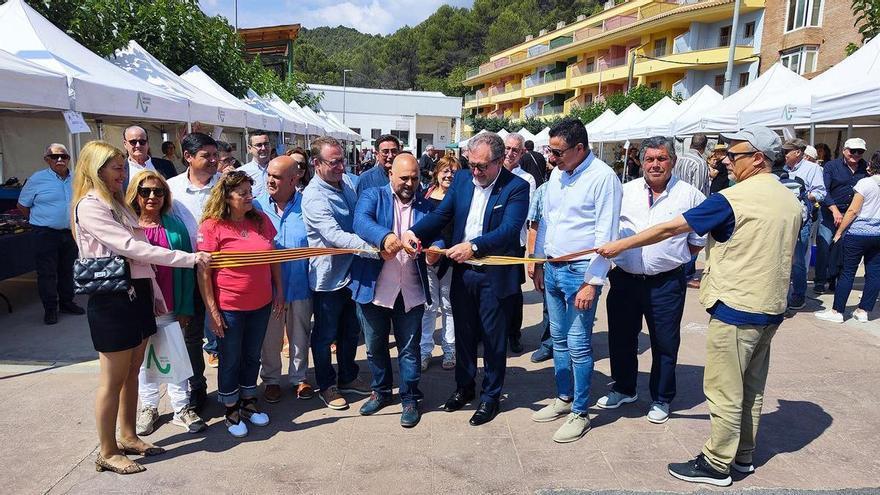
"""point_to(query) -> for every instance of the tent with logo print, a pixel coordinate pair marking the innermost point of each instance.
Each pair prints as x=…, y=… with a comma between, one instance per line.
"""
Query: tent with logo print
x=255, y=118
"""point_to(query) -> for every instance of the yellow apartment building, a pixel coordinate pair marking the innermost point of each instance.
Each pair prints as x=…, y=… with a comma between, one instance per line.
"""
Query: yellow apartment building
x=677, y=45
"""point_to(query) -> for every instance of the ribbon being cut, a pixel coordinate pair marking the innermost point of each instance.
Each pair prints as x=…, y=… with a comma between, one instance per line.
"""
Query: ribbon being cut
x=231, y=259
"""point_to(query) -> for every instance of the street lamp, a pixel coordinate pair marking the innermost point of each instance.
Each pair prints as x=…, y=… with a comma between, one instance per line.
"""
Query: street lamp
x=344, y=72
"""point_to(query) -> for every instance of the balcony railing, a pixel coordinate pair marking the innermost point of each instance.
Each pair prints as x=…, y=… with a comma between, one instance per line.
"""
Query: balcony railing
x=496, y=90
x=472, y=72
x=512, y=86
x=551, y=109
x=619, y=21
x=657, y=9
x=470, y=97
x=560, y=41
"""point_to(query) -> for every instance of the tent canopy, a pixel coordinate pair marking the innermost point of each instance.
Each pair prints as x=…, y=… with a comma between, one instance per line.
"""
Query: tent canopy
x=96, y=85
x=698, y=104
x=257, y=102
x=202, y=106
x=595, y=126
x=350, y=134
x=293, y=123
x=255, y=119
x=28, y=85
x=543, y=138
x=658, y=111
x=628, y=118
x=313, y=126
x=849, y=91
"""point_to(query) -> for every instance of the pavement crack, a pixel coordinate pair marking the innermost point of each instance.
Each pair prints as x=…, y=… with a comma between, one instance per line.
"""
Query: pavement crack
x=66, y=474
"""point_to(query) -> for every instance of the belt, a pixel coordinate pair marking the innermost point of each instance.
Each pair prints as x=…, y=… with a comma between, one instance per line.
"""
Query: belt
x=565, y=262
x=670, y=273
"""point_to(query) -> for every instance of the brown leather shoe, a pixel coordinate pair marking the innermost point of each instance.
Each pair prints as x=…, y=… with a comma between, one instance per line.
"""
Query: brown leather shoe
x=304, y=391
x=694, y=283
x=272, y=394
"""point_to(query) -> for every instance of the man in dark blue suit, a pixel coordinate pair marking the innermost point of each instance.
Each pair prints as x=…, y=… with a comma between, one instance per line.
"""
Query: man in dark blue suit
x=487, y=206
x=387, y=148
x=392, y=292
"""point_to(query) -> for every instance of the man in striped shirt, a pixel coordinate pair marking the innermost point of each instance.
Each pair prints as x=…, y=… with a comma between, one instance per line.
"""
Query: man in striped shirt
x=692, y=168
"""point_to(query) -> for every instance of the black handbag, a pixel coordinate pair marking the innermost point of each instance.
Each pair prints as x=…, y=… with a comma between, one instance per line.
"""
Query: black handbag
x=104, y=275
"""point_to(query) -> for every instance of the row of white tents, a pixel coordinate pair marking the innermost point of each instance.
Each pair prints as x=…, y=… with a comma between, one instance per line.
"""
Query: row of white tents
x=846, y=94
x=43, y=69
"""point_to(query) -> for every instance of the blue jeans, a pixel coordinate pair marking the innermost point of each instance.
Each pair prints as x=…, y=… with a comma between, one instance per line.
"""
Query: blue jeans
x=572, y=332
x=824, y=234
x=799, y=264
x=856, y=247
x=690, y=268
x=377, y=323
x=239, y=354
x=212, y=343
x=335, y=320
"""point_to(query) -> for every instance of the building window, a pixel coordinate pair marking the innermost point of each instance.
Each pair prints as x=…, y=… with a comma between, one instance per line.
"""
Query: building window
x=743, y=79
x=724, y=37
x=801, y=60
x=591, y=64
x=357, y=130
x=588, y=99
x=655, y=85
x=375, y=133
x=750, y=30
x=719, y=83
x=403, y=136
x=803, y=13
x=660, y=47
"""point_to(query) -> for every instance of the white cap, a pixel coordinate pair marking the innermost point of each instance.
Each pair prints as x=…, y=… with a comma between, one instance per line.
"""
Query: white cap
x=811, y=152
x=855, y=144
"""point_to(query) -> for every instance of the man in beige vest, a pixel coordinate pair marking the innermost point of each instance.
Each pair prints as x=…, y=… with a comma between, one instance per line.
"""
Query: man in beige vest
x=752, y=227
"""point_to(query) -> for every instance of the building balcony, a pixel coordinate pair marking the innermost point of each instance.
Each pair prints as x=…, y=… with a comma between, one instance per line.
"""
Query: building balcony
x=511, y=91
x=551, y=82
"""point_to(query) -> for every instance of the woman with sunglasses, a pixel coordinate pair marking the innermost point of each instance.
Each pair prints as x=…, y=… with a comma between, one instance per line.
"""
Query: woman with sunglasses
x=238, y=300
x=150, y=198
x=119, y=322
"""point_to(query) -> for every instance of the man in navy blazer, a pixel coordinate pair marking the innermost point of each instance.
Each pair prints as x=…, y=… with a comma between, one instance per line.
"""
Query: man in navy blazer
x=392, y=292
x=487, y=206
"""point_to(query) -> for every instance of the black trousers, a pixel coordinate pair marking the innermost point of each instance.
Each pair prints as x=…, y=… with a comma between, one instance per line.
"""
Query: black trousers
x=54, y=256
x=660, y=299
x=193, y=335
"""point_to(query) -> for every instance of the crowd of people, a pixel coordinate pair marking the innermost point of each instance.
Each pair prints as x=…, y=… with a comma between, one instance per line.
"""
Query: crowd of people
x=418, y=243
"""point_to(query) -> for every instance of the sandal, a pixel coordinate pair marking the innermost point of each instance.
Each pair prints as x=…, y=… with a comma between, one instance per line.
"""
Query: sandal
x=248, y=410
x=102, y=465
x=131, y=450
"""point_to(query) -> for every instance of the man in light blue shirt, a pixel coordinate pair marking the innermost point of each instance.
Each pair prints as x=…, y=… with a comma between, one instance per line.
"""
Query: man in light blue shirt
x=581, y=211
x=45, y=200
x=328, y=206
x=260, y=148
x=802, y=170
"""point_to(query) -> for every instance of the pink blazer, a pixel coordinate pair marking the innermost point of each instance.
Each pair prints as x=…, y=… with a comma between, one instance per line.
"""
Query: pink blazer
x=101, y=234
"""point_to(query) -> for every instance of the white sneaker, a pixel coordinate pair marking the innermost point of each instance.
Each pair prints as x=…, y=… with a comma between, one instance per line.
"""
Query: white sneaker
x=237, y=430
x=829, y=315
x=860, y=315
x=615, y=399
x=658, y=413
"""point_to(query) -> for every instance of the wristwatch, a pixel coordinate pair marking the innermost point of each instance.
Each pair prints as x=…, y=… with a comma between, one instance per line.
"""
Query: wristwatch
x=474, y=248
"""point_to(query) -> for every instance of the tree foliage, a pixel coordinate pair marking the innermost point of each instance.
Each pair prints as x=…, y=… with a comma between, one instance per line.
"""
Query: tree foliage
x=177, y=33
x=866, y=18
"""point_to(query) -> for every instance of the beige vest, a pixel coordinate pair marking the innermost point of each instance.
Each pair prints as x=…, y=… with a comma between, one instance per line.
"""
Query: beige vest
x=751, y=271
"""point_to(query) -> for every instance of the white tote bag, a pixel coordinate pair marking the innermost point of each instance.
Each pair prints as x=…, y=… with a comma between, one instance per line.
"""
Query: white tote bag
x=166, y=359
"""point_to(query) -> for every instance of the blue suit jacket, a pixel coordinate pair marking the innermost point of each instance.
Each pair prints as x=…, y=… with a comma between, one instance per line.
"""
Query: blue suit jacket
x=373, y=222
x=503, y=220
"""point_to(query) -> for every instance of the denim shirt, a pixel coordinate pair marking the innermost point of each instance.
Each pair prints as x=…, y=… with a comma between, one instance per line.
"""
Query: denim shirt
x=291, y=234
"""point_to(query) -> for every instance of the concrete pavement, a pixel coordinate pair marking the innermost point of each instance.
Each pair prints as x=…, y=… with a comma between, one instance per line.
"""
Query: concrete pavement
x=820, y=428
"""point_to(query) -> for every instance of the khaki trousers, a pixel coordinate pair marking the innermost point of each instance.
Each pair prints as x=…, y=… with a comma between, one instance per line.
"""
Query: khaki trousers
x=737, y=359
x=296, y=321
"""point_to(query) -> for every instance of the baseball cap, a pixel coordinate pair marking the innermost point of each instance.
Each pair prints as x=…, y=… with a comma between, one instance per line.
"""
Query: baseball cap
x=760, y=137
x=855, y=144
x=811, y=152
x=794, y=144
x=720, y=147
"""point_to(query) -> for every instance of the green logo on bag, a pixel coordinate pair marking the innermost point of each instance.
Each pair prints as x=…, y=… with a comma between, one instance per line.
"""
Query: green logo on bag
x=152, y=358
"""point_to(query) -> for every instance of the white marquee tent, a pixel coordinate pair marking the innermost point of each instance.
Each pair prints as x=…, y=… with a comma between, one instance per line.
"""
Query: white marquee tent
x=528, y=136
x=850, y=91
x=24, y=84
x=660, y=110
x=255, y=119
x=96, y=85
x=350, y=135
x=543, y=138
x=293, y=123
x=628, y=118
x=257, y=102
x=317, y=119
x=698, y=105
x=595, y=126
x=313, y=127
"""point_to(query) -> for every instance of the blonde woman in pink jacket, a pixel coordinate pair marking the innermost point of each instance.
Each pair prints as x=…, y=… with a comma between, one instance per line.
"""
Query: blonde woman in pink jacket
x=120, y=323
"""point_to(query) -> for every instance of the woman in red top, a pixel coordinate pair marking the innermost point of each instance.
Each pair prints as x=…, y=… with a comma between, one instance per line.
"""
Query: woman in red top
x=238, y=300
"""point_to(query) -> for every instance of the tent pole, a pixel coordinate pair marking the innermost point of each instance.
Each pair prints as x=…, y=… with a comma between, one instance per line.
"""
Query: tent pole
x=849, y=131
x=71, y=150
x=812, y=133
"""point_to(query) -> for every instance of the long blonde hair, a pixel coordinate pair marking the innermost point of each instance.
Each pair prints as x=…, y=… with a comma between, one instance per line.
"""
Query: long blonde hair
x=137, y=181
x=93, y=156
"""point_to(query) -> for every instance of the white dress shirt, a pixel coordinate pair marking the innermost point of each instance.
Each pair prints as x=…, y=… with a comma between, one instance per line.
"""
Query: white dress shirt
x=581, y=211
x=188, y=201
x=258, y=173
x=135, y=168
x=522, y=174
x=473, y=228
x=639, y=211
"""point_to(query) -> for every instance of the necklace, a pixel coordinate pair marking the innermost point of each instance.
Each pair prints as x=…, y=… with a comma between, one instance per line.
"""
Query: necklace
x=241, y=226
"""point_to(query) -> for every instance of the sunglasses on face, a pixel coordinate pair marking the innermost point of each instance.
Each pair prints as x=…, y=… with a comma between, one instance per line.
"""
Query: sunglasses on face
x=732, y=156
x=58, y=156
x=137, y=142
x=559, y=153
x=857, y=152
x=146, y=192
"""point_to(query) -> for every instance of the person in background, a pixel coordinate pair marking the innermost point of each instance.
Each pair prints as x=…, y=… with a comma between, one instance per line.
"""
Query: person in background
x=534, y=163
x=282, y=203
x=137, y=145
x=387, y=148
x=148, y=195
x=810, y=154
x=692, y=168
x=45, y=202
x=839, y=175
x=239, y=300
x=440, y=276
x=426, y=163
x=261, y=149
x=169, y=153
x=633, y=165
x=463, y=157
x=823, y=153
x=302, y=162
x=860, y=233
x=534, y=219
x=120, y=323
x=718, y=169
x=225, y=160
x=874, y=163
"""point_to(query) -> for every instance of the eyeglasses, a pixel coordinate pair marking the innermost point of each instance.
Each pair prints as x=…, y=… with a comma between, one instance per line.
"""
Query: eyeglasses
x=136, y=142
x=482, y=167
x=732, y=156
x=261, y=145
x=334, y=163
x=389, y=151
x=559, y=153
x=58, y=156
x=857, y=152
x=146, y=192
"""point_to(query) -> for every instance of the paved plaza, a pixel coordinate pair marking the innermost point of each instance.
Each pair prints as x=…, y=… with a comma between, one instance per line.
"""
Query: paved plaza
x=820, y=429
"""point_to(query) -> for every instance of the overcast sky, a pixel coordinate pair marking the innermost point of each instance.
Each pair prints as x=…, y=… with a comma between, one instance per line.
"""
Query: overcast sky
x=367, y=16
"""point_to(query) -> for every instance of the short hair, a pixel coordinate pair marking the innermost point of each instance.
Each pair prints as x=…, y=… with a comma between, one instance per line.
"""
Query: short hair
x=255, y=133
x=658, y=142
x=135, y=184
x=572, y=131
x=492, y=140
x=518, y=137
x=124, y=132
x=699, y=141
x=387, y=137
x=167, y=145
x=447, y=161
x=55, y=145
x=224, y=147
x=319, y=143
x=529, y=145
x=194, y=141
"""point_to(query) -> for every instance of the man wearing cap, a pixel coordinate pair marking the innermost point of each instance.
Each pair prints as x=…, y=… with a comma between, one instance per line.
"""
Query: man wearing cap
x=810, y=154
x=753, y=227
x=839, y=175
x=802, y=170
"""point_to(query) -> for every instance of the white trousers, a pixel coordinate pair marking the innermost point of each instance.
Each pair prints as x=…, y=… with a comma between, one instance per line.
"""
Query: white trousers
x=440, y=305
x=148, y=391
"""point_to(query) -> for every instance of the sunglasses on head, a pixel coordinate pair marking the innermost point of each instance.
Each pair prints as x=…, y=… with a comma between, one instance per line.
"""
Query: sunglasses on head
x=58, y=156
x=136, y=142
x=146, y=192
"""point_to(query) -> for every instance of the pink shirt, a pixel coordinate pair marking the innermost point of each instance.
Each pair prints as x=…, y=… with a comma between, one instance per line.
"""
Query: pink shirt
x=244, y=288
x=401, y=274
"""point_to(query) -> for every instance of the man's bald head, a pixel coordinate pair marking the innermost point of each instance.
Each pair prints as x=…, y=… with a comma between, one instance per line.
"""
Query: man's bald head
x=404, y=176
x=282, y=176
